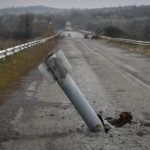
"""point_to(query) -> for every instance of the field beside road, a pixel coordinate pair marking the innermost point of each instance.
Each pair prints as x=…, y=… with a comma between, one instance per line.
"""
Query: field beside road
x=143, y=49
x=19, y=64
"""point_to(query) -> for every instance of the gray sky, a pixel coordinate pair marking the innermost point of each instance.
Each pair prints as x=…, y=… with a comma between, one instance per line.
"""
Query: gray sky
x=73, y=3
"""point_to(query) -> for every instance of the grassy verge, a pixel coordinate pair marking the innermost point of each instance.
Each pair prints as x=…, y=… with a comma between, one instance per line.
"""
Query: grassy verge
x=18, y=65
x=132, y=47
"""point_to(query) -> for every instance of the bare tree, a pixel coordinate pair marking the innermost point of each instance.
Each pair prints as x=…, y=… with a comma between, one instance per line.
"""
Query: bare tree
x=146, y=32
x=25, y=26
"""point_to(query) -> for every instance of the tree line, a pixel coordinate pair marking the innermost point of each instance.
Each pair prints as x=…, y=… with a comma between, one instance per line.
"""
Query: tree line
x=27, y=26
x=127, y=22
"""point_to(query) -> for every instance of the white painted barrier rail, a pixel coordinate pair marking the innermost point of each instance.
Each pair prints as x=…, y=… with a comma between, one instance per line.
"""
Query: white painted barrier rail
x=143, y=43
x=15, y=49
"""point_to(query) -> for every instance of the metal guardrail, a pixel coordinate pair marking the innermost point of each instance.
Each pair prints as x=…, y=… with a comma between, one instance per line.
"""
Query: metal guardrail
x=15, y=49
x=85, y=32
x=143, y=43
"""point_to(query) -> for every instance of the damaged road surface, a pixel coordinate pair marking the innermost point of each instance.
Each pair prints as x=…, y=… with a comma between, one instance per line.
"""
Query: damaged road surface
x=38, y=116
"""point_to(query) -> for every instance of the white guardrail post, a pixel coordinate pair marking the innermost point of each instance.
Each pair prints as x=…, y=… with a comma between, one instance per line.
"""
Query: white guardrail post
x=56, y=68
x=15, y=49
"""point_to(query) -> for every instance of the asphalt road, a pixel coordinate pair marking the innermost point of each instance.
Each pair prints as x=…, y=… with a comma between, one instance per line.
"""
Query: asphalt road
x=38, y=116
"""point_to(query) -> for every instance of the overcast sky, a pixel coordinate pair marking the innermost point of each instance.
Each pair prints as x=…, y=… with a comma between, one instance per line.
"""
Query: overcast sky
x=72, y=3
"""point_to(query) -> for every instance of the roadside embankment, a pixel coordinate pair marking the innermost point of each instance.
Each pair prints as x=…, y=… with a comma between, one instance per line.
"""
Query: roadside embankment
x=19, y=64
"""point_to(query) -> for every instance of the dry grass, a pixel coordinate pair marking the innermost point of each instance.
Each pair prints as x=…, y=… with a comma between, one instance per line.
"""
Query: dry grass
x=48, y=32
x=8, y=43
x=132, y=47
x=4, y=44
x=18, y=65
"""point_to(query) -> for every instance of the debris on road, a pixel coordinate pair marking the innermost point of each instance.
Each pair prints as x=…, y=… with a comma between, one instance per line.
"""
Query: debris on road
x=125, y=117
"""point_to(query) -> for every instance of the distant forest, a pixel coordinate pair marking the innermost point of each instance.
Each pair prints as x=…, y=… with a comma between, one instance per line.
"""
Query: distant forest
x=24, y=23
x=128, y=22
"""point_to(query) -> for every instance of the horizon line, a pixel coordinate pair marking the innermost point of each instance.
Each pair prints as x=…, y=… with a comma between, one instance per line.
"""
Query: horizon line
x=72, y=7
